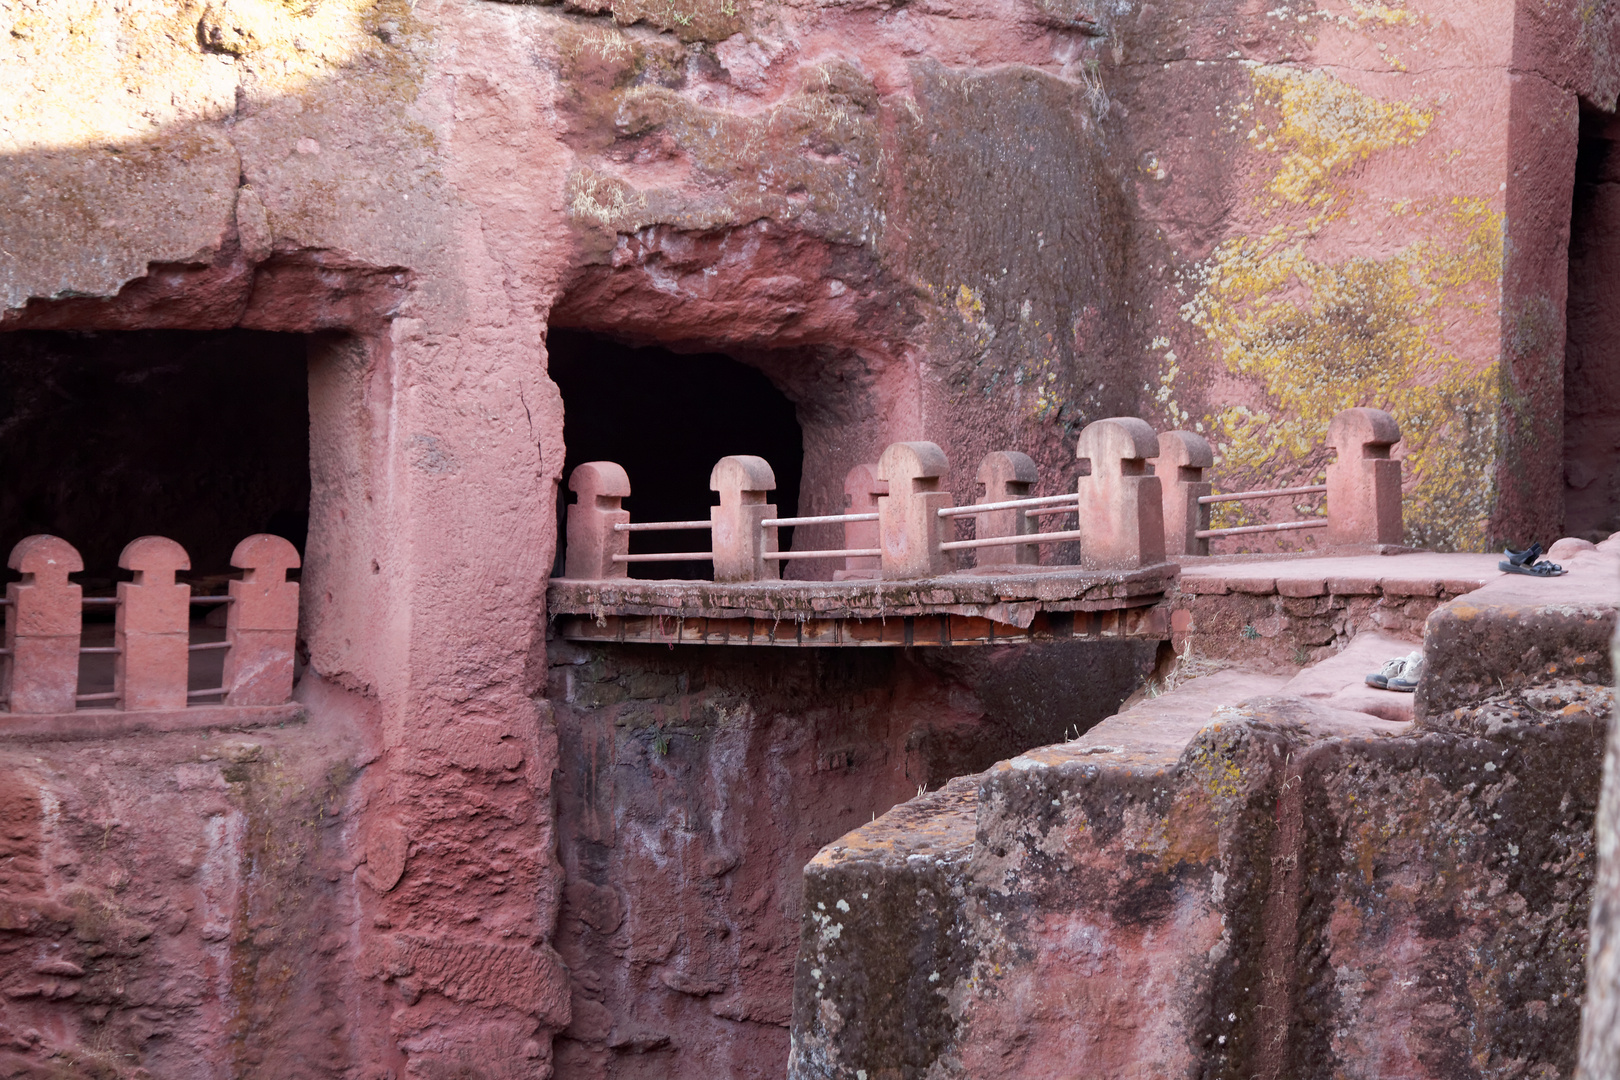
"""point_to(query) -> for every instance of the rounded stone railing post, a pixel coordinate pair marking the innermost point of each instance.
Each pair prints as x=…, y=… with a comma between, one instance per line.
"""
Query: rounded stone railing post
x=43, y=622
x=1363, y=482
x=909, y=525
x=262, y=624
x=592, y=540
x=153, y=626
x=1183, y=457
x=739, y=540
x=861, y=490
x=1006, y=475
x=1121, y=505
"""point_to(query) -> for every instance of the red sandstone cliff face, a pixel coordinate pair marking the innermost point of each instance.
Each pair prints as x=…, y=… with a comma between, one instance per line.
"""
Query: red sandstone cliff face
x=338, y=173
x=693, y=789
x=183, y=905
x=984, y=224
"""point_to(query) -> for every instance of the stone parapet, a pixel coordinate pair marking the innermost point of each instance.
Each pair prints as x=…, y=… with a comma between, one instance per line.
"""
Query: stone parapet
x=1298, y=610
x=155, y=664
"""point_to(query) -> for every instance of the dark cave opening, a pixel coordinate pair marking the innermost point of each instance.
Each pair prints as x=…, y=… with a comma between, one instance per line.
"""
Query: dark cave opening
x=1592, y=341
x=199, y=436
x=667, y=418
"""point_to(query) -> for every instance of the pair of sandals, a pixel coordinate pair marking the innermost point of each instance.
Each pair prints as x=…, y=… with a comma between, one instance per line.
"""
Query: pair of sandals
x=1400, y=674
x=1526, y=562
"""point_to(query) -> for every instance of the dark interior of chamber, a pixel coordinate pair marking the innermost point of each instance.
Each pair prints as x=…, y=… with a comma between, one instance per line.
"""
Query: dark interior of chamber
x=199, y=436
x=1592, y=335
x=667, y=417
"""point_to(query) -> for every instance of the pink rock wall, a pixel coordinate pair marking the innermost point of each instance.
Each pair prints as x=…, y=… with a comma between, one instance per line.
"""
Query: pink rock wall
x=694, y=787
x=183, y=905
x=356, y=195
x=983, y=224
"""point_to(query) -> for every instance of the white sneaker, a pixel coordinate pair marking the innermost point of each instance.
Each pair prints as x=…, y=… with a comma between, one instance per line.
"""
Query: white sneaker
x=1406, y=682
x=1394, y=669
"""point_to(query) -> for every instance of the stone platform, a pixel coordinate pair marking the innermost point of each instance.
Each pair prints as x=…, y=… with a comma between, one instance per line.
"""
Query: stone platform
x=1290, y=610
x=1414, y=573
x=1041, y=604
x=1517, y=634
x=85, y=724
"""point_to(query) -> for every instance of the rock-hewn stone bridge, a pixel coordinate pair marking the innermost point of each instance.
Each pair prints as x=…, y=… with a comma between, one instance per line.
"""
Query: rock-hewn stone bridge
x=1142, y=505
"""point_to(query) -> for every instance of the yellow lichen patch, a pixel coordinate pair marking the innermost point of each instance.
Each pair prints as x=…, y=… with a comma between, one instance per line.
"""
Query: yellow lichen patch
x=969, y=304
x=1319, y=337
x=1388, y=14
x=1315, y=336
x=82, y=72
x=1321, y=127
x=1217, y=772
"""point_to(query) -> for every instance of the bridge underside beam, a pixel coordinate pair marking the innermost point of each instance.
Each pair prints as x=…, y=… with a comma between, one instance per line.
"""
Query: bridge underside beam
x=933, y=630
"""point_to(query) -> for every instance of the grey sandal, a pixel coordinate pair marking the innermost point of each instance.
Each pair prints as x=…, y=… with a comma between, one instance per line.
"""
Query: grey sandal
x=1524, y=562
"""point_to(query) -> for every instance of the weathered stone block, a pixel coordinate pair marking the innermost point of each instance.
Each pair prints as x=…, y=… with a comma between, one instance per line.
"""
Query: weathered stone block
x=1283, y=889
x=1516, y=632
x=881, y=950
x=1442, y=921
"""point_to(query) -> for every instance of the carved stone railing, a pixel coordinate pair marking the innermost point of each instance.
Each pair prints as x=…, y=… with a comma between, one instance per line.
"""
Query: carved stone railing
x=152, y=646
x=1140, y=502
x=1363, y=488
x=901, y=522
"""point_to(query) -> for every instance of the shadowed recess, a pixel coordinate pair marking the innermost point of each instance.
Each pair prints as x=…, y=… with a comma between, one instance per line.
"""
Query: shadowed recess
x=1592, y=347
x=667, y=418
x=200, y=436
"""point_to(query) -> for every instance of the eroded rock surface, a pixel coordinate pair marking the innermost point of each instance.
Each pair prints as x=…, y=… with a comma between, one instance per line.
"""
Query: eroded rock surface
x=1245, y=875
x=182, y=905
x=985, y=223
x=693, y=793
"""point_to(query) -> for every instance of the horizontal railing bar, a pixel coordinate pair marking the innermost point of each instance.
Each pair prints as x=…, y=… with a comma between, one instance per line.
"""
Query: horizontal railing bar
x=1052, y=510
x=1281, y=526
x=112, y=695
x=194, y=600
x=1011, y=504
x=209, y=645
x=1270, y=493
x=100, y=649
x=847, y=553
x=673, y=556
x=1001, y=541
x=660, y=526
x=114, y=600
x=825, y=519
x=205, y=693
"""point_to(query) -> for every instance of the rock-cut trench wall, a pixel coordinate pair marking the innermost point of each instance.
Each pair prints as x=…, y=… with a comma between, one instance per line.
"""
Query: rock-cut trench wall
x=696, y=784
x=985, y=225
